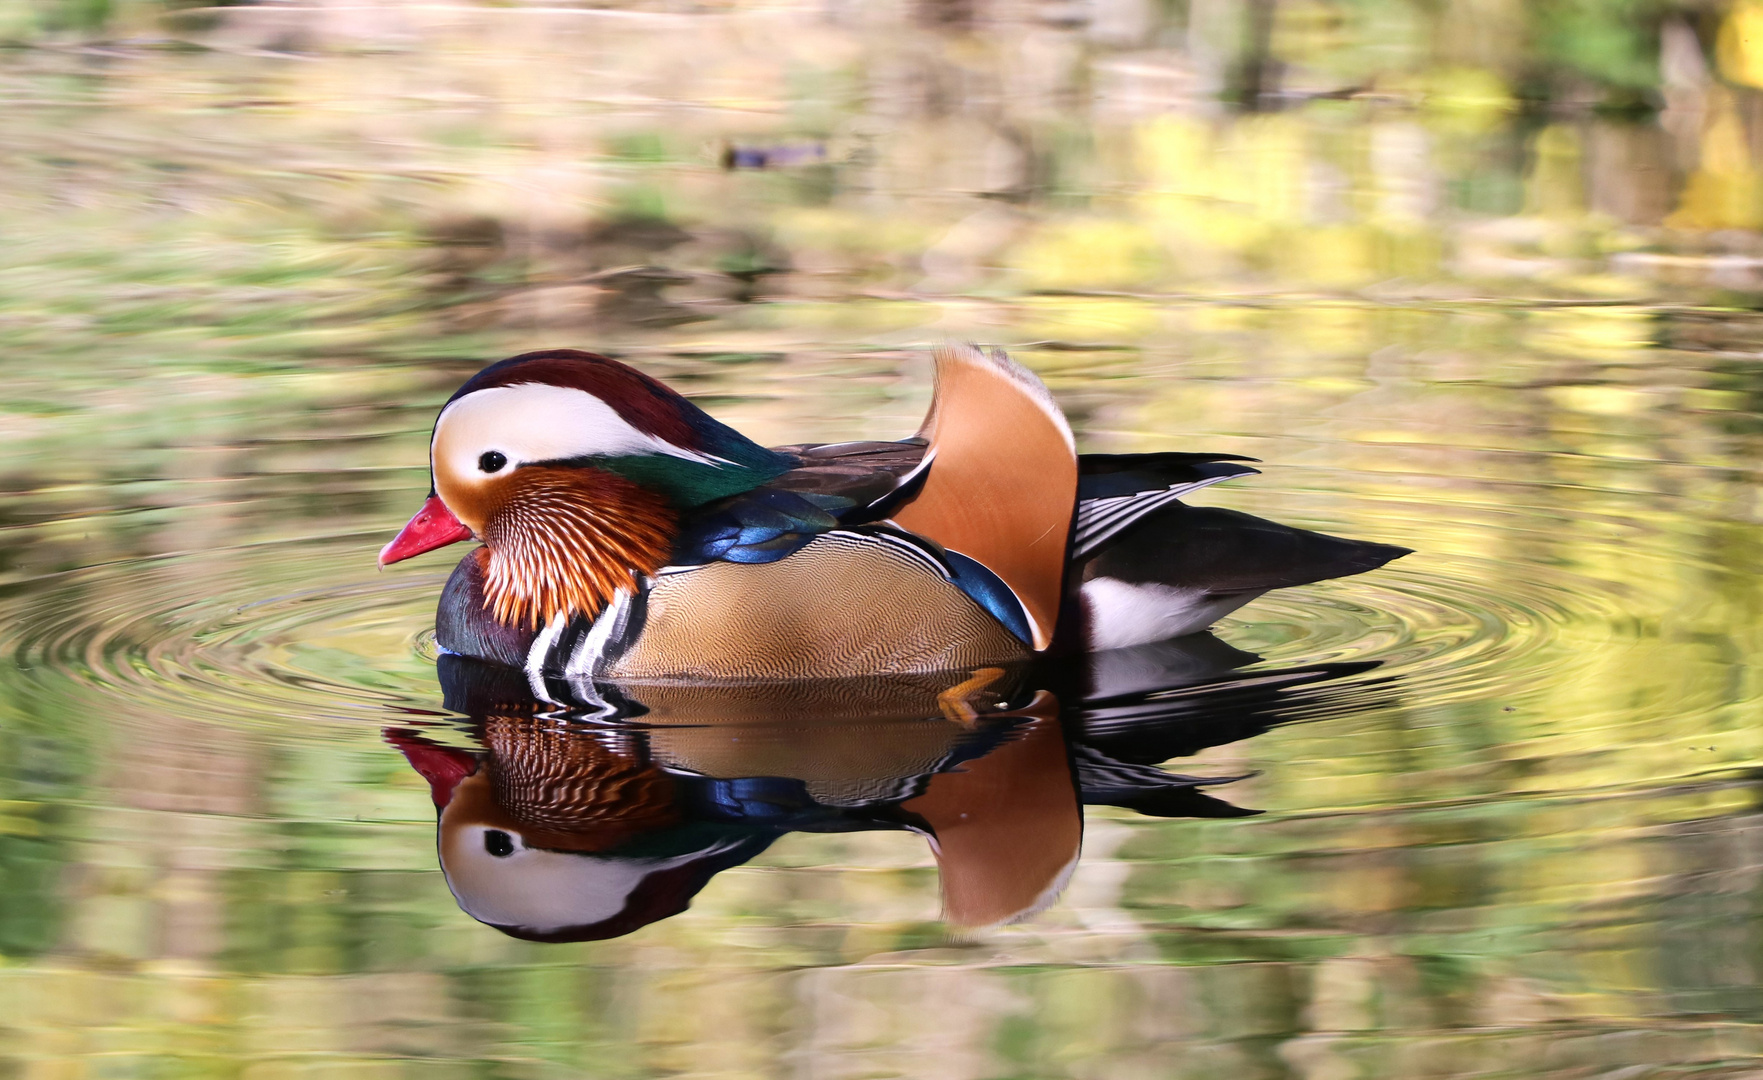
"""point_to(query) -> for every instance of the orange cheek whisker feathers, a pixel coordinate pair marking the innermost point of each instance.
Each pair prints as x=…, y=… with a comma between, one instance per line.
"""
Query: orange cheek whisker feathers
x=566, y=539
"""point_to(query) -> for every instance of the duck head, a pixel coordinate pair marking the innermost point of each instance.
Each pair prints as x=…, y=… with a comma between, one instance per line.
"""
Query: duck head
x=573, y=470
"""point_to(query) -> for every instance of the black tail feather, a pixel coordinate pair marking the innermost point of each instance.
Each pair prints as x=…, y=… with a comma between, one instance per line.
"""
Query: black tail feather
x=1223, y=551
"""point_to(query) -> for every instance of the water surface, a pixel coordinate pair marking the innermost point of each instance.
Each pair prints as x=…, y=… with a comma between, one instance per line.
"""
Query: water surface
x=1515, y=335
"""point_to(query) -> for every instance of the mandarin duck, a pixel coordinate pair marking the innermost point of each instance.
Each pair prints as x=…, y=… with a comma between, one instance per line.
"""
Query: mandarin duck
x=629, y=535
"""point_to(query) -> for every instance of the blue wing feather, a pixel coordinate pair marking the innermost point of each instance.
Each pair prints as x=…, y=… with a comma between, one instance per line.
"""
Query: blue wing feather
x=831, y=485
x=757, y=526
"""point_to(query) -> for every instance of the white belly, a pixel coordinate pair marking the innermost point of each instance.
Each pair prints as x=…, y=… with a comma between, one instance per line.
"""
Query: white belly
x=1123, y=614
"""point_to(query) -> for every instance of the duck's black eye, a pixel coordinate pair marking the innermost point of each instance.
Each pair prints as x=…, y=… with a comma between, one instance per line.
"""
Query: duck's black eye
x=492, y=461
x=498, y=843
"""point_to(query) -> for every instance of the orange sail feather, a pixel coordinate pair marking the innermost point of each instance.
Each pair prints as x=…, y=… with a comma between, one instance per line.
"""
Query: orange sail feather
x=1002, y=483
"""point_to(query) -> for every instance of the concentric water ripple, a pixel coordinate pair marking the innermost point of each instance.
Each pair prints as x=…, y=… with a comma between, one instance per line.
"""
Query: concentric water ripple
x=200, y=634
x=1445, y=630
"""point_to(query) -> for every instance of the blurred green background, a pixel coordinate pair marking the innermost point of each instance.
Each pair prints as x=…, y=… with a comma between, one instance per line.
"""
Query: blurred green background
x=1480, y=277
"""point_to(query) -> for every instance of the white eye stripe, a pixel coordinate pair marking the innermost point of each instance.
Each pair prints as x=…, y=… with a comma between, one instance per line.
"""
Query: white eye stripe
x=535, y=422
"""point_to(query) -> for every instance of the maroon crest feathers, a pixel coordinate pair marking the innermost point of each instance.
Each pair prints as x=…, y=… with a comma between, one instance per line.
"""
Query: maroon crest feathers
x=643, y=402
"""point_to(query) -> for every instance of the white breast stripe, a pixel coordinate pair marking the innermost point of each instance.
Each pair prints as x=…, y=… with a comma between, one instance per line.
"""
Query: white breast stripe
x=539, y=652
x=608, y=626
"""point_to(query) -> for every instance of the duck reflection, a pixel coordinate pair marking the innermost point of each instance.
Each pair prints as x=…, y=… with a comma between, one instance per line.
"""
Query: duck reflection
x=596, y=809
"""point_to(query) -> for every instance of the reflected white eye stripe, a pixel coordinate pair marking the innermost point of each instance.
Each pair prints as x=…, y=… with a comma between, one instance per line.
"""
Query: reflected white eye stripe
x=541, y=890
x=536, y=422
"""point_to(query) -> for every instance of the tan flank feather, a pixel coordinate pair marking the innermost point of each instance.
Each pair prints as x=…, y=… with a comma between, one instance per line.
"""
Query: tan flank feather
x=1003, y=481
